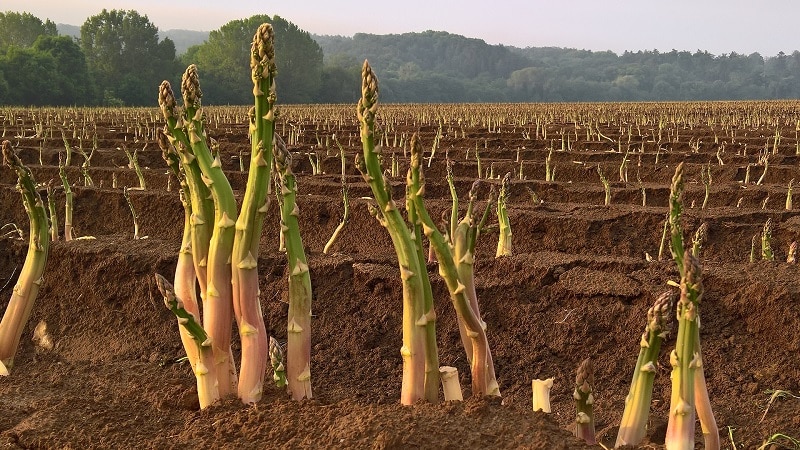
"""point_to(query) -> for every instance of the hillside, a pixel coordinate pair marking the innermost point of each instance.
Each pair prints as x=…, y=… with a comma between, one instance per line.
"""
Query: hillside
x=183, y=39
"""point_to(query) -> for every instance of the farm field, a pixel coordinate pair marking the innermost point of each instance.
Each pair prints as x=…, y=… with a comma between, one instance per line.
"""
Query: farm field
x=581, y=278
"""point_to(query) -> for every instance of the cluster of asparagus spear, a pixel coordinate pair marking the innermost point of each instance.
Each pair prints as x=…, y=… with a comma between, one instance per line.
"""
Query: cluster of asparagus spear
x=220, y=245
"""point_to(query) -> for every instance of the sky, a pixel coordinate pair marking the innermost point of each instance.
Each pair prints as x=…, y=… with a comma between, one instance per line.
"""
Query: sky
x=717, y=26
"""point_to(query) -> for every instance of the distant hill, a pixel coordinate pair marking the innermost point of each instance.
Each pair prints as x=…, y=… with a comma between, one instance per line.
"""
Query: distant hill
x=183, y=39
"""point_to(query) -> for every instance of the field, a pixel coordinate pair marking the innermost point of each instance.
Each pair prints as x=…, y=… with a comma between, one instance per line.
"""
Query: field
x=581, y=278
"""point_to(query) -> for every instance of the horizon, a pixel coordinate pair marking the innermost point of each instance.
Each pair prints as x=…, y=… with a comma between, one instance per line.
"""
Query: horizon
x=617, y=26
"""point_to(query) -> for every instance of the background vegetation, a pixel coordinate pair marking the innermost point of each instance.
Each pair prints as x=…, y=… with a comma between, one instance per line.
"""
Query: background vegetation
x=119, y=57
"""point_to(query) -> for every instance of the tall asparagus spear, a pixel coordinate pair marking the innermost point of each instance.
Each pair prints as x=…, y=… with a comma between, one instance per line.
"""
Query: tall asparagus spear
x=30, y=278
x=218, y=302
x=482, y=383
x=185, y=276
x=633, y=425
x=246, y=303
x=298, y=347
x=414, y=317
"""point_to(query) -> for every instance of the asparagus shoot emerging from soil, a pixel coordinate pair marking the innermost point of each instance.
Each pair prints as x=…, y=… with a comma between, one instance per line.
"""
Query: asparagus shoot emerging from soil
x=633, y=425
x=133, y=163
x=68, y=205
x=207, y=389
x=791, y=256
x=51, y=207
x=450, y=384
x=766, y=242
x=25, y=291
x=700, y=237
x=218, y=301
x=414, y=315
x=685, y=359
x=584, y=401
x=345, y=201
x=127, y=196
x=276, y=361
x=504, y=243
x=298, y=347
x=255, y=203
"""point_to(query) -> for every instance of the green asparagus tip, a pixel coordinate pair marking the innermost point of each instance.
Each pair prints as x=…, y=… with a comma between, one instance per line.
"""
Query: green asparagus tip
x=262, y=55
x=584, y=379
x=190, y=86
x=282, y=156
x=677, y=181
x=416, y=152
x=368, y=104
x=166, y=100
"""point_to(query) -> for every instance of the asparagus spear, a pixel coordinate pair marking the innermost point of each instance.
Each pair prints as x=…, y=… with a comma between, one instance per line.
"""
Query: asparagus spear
x=246, y=304
x=637, y=404
x=298, y=348
x=504, y=243
x=414, y=315
x=185, y=276
x=24, y=293
x=218, y=301
x=482, y=384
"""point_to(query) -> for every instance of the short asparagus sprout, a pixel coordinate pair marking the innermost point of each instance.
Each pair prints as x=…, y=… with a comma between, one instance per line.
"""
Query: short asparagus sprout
x=584, y=401
x=30, y=278
x=133, y=163
x=791, y=257
x=504, y=243
x=705, y=176
x=753, y=246
x=541, y=394
x=766, y=242
x=606, y=186
x=548, y=166
x=345, y=201
x=450, y=383
x=700, y=238
x=51, y=207
x=789, y=195
x=633, y=425
x=207, y=389
x=68, y=202
x=276, y=361
x=127, y=195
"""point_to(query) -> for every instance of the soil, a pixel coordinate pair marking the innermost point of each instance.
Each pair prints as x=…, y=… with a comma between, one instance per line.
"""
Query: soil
x=579, y=284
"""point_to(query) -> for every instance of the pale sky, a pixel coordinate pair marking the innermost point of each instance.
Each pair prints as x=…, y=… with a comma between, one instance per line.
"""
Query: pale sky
x=718, y=26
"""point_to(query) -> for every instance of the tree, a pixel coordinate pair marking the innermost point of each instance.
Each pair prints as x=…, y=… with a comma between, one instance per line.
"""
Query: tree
x=24, y=89
x=125, y=57
x=73, y=84
x=22, y=29
x=223, y=62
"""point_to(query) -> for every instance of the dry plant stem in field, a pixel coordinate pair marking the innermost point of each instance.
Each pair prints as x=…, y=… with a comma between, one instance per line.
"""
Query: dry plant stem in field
x=345, y=201
x=414, y=320
x=504, y=242
x=482, y=381
x=218, y=301
x=51, y=207
x=244, y=259
x=633, y=426
x=584, y=402
x=298, y=347
x=207, y=385
x=30, y=278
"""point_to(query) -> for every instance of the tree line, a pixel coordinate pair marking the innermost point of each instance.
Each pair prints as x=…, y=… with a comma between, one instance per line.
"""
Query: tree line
x=120, y=60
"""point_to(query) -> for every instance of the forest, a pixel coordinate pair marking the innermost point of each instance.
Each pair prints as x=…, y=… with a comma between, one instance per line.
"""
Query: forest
x=118, y=59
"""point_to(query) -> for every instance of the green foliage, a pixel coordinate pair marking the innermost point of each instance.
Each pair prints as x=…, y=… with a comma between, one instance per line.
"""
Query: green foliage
x=226, y=79
x=22, y=29
x=125, y=57
x=72, y=85
x=24, y=89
